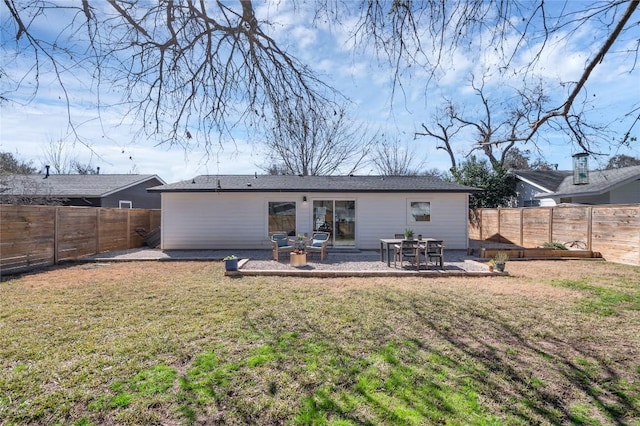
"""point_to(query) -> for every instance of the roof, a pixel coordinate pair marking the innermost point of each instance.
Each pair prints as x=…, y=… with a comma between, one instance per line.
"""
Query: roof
x=70, y=186
x=291, y=183
x=545, y=180
x=600, y=181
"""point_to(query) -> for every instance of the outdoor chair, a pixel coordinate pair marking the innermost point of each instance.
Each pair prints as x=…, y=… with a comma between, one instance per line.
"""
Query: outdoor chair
x=280, y=244
x=318, y=244
x=407, y=250
x=435, y=250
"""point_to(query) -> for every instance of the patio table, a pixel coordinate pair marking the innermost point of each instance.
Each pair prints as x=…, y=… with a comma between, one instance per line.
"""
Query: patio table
x=387, y=243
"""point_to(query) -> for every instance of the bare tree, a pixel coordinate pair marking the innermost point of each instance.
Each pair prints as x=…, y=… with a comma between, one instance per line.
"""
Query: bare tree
x=186, y=69
x=426, y=36
x=498, y=128
x=310, y=143
x=196, y=69
x=394, y=158
x=58, y=155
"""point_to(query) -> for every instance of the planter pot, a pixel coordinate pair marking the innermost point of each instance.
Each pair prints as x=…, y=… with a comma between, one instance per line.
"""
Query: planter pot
x=298, y=259
x=231, y=265
x=500, y=266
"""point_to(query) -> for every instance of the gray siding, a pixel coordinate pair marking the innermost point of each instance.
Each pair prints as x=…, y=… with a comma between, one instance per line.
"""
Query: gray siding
x=138, y=195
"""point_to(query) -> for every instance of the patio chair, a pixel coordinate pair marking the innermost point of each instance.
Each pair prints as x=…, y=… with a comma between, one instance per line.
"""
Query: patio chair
x=280, y=244
x=435, y=250
x=407, y=250
x=318, y=244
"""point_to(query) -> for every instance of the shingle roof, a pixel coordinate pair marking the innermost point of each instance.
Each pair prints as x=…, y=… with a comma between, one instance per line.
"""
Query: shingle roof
x=546, y=180
x=289, y=183
x=70, y=186
x=600, y=181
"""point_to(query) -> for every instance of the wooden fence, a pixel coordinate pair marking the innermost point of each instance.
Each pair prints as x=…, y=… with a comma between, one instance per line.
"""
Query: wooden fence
x=36, y=236
x=611, y=230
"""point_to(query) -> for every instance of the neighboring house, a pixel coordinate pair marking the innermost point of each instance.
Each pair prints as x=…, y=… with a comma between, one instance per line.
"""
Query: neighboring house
x=100, y=190
x=532, y=183
x=240, y=211
x=614, y=186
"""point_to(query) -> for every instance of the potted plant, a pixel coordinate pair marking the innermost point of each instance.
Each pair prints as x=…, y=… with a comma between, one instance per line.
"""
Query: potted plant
x=231, y=263
x=500, y=259
x=491, y=264
x=408, y=234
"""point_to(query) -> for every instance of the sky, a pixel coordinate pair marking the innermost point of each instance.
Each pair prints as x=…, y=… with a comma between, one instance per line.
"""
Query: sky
x=29, y=124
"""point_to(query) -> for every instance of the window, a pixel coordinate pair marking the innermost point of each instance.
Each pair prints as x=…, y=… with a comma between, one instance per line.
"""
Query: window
x=125, y=204
x=282, y=217
x=420, y=211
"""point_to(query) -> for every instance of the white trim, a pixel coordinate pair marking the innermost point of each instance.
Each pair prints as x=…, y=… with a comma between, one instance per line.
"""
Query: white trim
x=121, y=204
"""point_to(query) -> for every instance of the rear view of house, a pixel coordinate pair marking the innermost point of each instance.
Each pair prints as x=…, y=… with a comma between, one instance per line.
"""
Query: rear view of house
x=241, y=211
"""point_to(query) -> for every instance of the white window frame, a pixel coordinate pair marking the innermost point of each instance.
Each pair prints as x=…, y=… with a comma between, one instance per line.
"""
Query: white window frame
x=411, y=219
x=123, y=203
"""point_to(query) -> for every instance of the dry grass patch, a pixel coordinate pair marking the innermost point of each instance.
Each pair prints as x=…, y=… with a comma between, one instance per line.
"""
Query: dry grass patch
x=178, y=343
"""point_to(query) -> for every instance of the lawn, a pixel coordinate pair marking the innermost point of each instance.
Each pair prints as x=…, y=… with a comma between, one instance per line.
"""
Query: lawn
x=179, y=343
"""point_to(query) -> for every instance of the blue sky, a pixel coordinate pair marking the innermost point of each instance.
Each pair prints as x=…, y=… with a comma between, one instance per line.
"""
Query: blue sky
x=111, y=141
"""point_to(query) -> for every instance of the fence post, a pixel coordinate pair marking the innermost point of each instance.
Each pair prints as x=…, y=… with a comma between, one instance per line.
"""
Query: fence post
x=589, y=226
x=550, y=224
x=98, y=229
x=521, y=226
x=56, y=235
x=128, y=228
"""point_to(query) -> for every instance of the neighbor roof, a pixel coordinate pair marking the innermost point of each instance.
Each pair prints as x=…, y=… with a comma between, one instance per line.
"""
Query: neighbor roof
x=290, y=183
x=600, y=181
x=545, y=180
x=70, y=186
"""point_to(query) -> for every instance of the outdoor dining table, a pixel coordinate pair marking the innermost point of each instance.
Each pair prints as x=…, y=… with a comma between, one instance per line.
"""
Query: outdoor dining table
x=386, y=245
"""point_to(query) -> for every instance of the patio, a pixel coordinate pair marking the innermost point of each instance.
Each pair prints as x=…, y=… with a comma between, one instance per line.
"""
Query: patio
x=339, y=263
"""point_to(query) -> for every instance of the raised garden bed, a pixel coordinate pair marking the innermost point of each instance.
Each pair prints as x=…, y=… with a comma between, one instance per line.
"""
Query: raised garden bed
x=538, y=253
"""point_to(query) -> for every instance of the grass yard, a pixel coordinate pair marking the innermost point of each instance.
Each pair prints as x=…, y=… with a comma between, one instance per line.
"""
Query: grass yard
x=178, y=343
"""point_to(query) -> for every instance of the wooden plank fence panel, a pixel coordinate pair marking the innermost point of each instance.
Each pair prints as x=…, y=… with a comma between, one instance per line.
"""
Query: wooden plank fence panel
x=138, y=219
x=35, y=236
x=612, y=230
x=26, y=237
x=535, y=226
x=113, y=229
x=490, y=225
x=510, y=227
x=616, y=233
x=570, y=224
x=76, y=232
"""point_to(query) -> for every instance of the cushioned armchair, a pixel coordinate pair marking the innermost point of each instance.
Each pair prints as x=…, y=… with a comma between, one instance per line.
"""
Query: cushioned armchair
x=280, y=244
x=318, y=244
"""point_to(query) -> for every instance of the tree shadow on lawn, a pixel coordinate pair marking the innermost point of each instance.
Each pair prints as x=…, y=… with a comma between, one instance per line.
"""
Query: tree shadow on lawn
x=565, y=383
x=475, y=369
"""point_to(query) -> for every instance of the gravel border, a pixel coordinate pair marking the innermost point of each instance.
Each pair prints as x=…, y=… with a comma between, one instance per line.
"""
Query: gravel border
x=261, y=260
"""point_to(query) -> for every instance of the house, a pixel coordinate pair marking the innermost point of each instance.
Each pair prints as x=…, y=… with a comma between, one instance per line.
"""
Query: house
x=99, y=190
x=614, y=186
x=531, y=183
x=240, y=211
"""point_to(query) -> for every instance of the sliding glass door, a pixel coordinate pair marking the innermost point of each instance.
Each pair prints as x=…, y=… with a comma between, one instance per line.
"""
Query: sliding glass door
x=338, y=217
